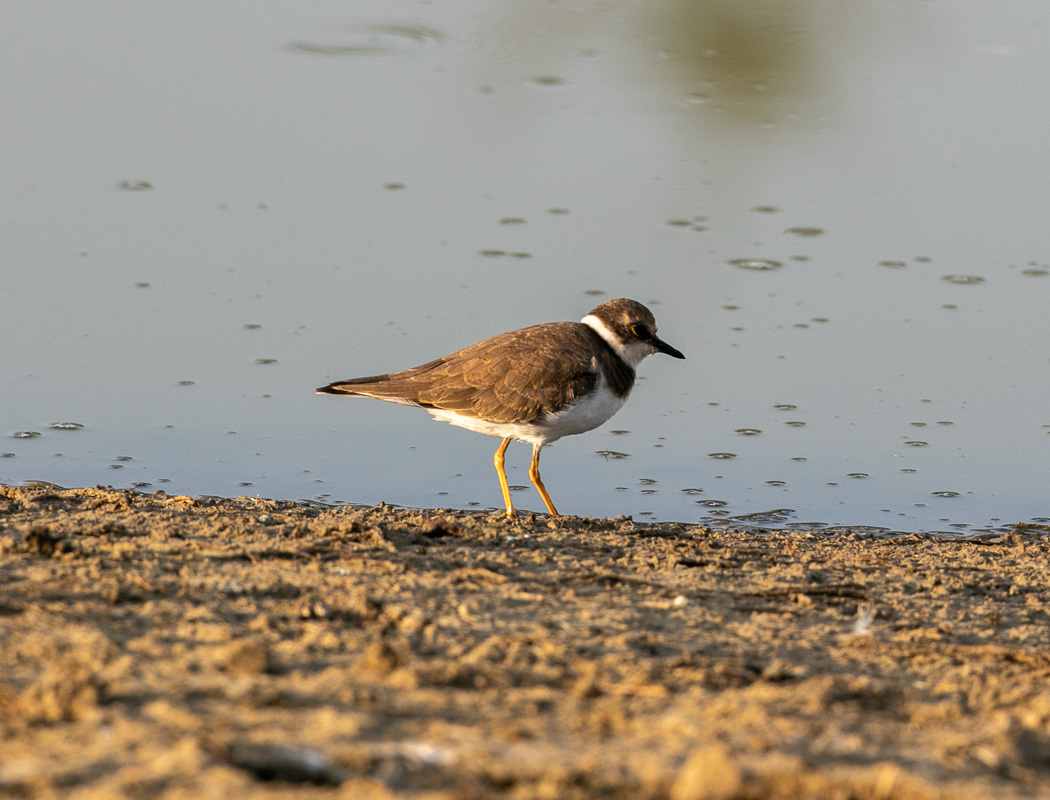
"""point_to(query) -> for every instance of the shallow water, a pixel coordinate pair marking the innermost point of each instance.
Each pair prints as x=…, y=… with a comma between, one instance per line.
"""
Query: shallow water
x=836, y=210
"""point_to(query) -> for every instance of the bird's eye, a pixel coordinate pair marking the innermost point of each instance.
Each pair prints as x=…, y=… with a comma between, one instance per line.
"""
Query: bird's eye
x=640, y=331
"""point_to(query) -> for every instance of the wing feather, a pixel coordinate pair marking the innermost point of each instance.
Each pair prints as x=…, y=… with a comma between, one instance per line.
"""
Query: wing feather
x=513, y=377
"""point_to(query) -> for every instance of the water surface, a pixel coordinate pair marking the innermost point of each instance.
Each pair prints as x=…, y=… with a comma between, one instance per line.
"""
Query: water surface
x=836, y=210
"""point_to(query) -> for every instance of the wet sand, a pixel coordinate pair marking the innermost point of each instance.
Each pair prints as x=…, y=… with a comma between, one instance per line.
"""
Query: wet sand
x=169, y=647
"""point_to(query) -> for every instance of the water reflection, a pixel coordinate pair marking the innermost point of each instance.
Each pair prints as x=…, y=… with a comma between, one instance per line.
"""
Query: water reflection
x=743, y=55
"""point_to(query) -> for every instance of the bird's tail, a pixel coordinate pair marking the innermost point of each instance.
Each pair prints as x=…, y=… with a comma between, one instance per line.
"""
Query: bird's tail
x=390, y=387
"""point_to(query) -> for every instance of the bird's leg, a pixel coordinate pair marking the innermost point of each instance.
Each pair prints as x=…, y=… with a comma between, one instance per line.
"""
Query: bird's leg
x=498, y=459
x=534, y=475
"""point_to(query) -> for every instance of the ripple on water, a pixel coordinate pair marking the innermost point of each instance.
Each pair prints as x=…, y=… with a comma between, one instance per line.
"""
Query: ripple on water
x=25, y=434
x=773, y=515
x=369, y=40
x=695, y=223
x=502, y=42
x=756, y=264
x=548, y=80
x=722, y=455
x=65, y=426
x=963, y=279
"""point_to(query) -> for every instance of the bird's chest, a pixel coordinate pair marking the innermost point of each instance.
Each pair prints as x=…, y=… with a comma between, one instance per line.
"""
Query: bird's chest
x=585, y=414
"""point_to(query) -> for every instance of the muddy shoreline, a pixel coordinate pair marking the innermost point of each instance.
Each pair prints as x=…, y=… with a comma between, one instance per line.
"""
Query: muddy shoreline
x=173, y=647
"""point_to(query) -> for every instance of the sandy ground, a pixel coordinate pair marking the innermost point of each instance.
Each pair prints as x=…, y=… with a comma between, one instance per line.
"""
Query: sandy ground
x=166, y=647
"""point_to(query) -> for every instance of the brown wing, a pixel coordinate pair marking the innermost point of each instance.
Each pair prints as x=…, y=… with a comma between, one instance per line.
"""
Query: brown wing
x=513, y=377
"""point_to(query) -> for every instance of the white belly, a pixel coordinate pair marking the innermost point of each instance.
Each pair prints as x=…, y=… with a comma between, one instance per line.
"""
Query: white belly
x=585, y=415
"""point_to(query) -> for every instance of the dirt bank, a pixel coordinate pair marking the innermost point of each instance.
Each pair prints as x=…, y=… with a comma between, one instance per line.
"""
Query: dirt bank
x=165, y=647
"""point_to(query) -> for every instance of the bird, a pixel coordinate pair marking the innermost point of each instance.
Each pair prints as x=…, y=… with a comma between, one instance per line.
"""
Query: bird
x=535, y=384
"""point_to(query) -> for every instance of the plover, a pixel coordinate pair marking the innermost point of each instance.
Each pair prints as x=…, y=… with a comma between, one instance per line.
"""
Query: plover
x=535, y=384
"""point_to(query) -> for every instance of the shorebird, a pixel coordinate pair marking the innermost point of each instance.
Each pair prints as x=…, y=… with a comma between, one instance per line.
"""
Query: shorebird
x=536, y=384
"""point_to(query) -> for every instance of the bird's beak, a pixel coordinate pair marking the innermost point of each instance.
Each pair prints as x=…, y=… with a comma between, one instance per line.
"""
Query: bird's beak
x=663, y=347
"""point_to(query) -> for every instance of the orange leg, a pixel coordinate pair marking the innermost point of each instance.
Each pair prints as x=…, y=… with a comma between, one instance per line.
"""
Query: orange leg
x=534, y=475
x=503, y=476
